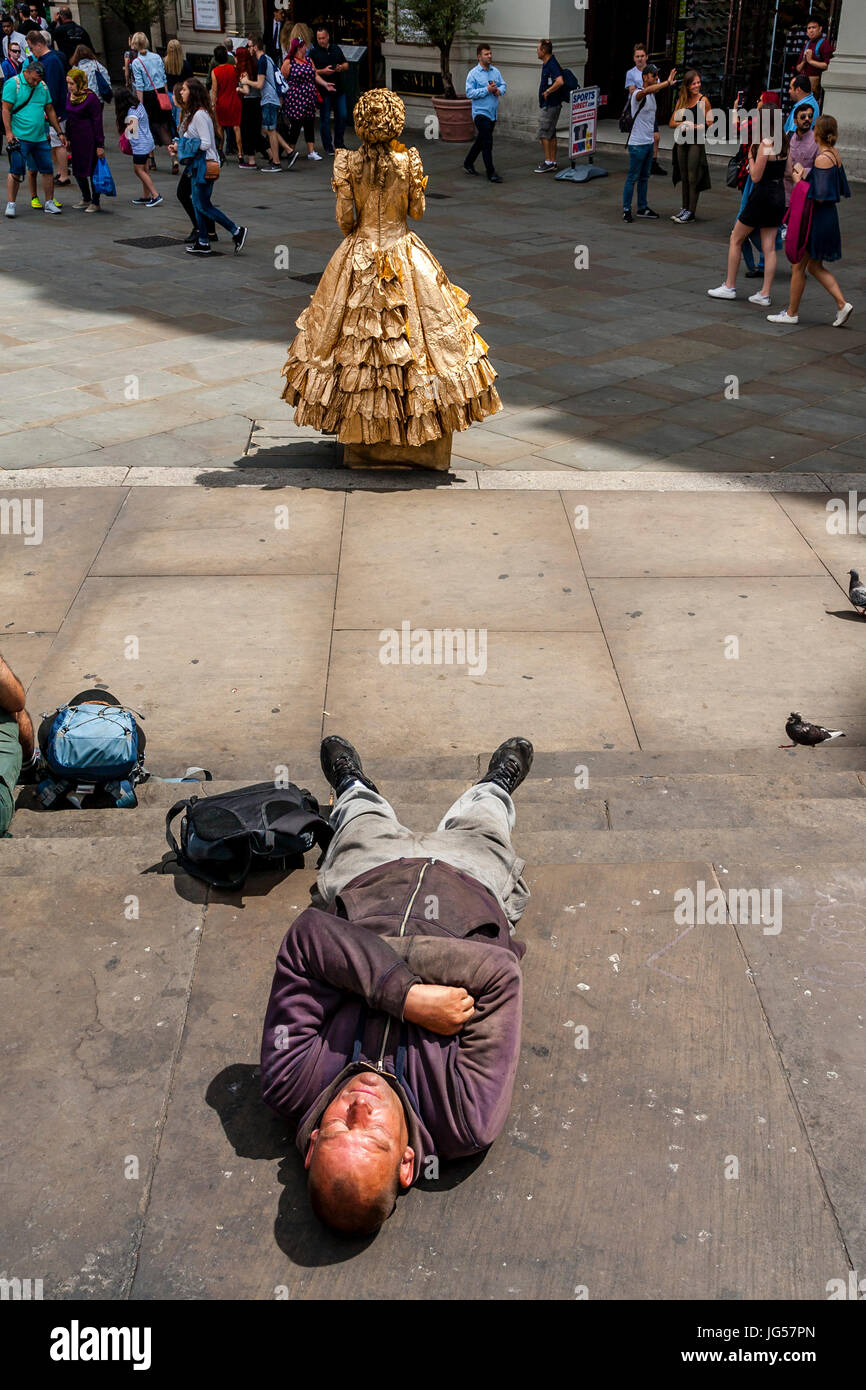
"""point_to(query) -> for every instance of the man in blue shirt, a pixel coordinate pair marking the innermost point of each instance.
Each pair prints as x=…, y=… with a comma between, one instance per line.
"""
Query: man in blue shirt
x=800, y=91
x=552, y=92
x=484, y=86
x=54, y=66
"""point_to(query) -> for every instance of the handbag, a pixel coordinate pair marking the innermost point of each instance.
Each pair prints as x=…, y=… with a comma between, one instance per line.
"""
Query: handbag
x=162, y=97
x=125, y=146
x=211, y=169
x=735, y=169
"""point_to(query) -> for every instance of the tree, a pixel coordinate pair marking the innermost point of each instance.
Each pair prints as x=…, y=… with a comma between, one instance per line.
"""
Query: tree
x=135, y=15
x=442, y=21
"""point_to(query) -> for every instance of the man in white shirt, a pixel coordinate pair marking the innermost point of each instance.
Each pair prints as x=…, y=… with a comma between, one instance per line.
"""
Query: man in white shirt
x=634, y=83
x=11, y=35
x=640, y=144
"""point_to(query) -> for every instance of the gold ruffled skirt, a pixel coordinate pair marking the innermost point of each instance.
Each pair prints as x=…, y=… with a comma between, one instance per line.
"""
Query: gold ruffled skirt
x=386, y=351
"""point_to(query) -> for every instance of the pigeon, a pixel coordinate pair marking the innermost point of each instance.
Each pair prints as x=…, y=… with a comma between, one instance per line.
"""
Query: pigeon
x=808, y=734
x=857, y=592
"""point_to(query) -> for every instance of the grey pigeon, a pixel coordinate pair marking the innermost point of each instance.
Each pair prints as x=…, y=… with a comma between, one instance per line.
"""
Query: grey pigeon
x=810, y=735
x=857, y=592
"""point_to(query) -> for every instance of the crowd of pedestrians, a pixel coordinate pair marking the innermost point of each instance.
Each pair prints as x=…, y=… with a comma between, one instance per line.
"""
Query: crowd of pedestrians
x=258, y=99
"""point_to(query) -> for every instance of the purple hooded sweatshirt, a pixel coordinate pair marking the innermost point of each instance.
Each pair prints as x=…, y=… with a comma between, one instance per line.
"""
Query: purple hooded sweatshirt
x=337, y=999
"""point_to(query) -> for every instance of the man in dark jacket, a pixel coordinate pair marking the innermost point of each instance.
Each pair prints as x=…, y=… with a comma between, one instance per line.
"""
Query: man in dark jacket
x=68, y=35
x=393, y=1028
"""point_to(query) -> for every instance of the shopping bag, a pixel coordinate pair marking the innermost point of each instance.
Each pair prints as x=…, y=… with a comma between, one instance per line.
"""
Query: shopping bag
x=103, y=180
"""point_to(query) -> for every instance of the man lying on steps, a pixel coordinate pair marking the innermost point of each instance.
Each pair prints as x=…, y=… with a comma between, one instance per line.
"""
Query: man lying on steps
x=17, y=744
x=393, y=1028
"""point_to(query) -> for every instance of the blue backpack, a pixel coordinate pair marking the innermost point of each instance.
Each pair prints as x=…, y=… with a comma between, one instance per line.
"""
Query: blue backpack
x=91, y=746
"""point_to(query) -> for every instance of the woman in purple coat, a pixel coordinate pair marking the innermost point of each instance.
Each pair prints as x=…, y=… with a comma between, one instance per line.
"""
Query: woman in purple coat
x=85, y=134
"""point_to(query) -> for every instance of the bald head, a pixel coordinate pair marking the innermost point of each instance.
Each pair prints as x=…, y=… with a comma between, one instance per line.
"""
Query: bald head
x=359, y=1158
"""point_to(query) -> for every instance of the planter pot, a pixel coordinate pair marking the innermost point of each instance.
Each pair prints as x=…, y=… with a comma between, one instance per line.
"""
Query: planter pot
x=455, y=119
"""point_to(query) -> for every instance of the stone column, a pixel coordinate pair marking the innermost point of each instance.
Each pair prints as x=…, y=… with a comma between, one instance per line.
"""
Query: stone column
x=844, y=85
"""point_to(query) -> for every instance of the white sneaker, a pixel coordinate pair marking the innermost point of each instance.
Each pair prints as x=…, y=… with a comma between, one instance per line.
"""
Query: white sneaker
x=10, y=210
x=784, y=317
x=843, y=315
x=763, y=299
x=314, y=155
x=52, y=205
x=723, y=292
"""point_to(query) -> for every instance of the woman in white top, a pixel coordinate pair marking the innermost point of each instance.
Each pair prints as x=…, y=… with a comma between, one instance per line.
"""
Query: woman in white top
x=147, y=76
x=196, y=122
x=86, y=59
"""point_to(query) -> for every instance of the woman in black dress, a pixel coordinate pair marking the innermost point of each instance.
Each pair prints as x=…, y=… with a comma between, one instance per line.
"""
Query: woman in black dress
x=827, y=184
x=765, y=210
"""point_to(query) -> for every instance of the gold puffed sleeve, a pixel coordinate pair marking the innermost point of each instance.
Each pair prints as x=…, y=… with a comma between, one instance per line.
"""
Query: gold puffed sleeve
x=417, y=184
x=342, y=186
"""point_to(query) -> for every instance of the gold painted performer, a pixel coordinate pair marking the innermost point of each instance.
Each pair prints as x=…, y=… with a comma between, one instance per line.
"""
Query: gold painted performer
x=387, y=357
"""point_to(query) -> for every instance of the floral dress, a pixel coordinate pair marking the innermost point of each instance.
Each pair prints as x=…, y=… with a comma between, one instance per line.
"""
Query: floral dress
x=300, y=100
x=386, y=352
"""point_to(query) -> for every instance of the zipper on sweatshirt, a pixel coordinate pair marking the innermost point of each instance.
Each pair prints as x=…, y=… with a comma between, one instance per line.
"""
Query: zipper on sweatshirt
x=380, y=1065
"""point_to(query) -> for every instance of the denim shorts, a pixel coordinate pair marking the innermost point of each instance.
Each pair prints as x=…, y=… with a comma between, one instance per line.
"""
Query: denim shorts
x=269, y=116
x=37, y=156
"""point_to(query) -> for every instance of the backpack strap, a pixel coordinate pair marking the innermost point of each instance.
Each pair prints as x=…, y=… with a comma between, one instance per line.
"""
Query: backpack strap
x=171, y=815
x=303, y=822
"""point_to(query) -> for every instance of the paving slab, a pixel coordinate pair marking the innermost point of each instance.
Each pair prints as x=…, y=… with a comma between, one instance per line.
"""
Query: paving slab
x=214, y=532
x=677, y=1075
x=811, y=979
x=49, y=542
x=94, y=1002
x=668, y=638
x=681, y=534
x=569, y=694
x=212, y=691
x=499, y=561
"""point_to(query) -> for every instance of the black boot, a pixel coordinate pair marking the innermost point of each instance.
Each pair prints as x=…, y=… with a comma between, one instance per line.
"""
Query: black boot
x=341, y=764
x=509, y=764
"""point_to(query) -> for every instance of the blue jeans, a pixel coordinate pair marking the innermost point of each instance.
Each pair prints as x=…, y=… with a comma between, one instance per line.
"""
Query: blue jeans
x=337, y=100
x=204, y=209
x=640, y=158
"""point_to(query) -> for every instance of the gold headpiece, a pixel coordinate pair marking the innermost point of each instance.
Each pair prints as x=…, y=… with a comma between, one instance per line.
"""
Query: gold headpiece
x=379, y=116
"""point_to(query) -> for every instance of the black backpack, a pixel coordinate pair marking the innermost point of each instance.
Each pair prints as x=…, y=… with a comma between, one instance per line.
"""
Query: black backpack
x=626, y=120
x=224, y=837
x=570, y=81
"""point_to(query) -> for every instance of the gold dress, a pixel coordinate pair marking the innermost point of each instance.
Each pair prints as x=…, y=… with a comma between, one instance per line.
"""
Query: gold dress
x=386, y=351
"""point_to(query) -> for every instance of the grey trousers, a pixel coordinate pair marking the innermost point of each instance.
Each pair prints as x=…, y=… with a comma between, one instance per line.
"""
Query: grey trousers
x=474, y=836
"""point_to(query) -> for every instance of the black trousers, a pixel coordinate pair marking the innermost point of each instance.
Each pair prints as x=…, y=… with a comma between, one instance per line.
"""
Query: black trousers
x=184, y=197
x=309, y=126
x=483, y=144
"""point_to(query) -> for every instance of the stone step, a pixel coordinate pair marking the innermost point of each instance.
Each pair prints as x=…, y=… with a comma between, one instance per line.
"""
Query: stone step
x=788, y=845
x=40, y=857
x=625, y=808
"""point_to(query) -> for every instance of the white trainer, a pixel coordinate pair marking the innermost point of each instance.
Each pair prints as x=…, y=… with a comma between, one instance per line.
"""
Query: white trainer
x=314, y=155
x=763, y=299
x=722, y=292
x=52, y=205
x=784, y=317
x=10, y=210
x=843, y=315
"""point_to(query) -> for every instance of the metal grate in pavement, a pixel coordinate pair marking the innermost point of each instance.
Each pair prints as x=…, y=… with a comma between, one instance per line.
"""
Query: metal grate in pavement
x=149, y=243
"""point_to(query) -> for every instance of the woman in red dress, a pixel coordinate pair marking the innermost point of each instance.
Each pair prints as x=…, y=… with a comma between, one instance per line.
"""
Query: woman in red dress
x=224, y=95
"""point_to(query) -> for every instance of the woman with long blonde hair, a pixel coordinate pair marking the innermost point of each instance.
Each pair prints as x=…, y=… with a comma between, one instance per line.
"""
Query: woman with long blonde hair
x=690, y=154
